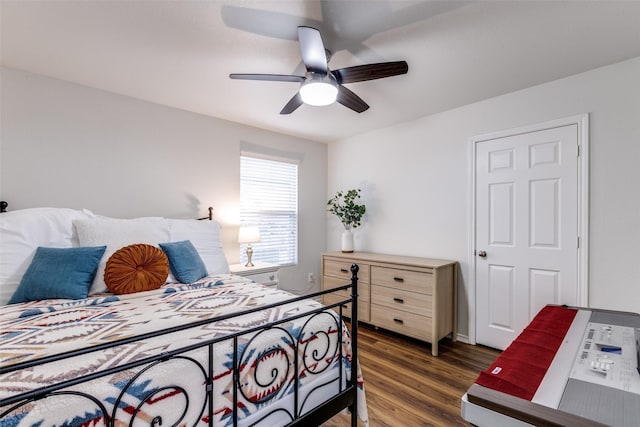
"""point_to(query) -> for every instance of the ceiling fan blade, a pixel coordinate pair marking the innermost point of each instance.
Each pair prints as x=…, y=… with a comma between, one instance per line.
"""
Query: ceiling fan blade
x=351, y=100
x=361, y=73
x=265, y=23
x=312, y=50
x=293, y=104
x=269, y=77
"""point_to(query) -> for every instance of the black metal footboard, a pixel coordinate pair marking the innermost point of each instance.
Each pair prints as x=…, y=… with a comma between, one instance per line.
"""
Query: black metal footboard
x=275, y=373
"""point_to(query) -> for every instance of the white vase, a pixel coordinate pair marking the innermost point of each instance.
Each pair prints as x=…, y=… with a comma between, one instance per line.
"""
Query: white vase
x=347, y=241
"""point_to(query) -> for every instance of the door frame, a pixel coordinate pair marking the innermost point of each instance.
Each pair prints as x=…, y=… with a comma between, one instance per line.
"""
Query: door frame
x=582, y=122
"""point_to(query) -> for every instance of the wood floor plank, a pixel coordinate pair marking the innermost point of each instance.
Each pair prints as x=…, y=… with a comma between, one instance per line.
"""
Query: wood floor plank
x=406, y=386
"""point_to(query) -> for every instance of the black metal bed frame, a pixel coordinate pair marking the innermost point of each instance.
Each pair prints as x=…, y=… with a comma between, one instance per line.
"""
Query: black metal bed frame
x=346, y=397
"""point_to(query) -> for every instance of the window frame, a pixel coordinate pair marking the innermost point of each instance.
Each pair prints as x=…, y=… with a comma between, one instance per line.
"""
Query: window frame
x=245, y=213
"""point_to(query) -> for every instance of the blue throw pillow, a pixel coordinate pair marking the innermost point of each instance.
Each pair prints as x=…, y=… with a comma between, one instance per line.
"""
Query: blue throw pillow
x=59, y=273
x=184, y=261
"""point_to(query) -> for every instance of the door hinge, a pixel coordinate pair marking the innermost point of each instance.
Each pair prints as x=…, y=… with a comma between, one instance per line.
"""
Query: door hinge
x=578, y=242
x=578, y=151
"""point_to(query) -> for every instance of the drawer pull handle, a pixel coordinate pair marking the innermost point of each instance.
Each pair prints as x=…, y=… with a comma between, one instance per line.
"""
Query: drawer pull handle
x=400, y=300
x=344, y=270
x=398, y=279
x=398, y=321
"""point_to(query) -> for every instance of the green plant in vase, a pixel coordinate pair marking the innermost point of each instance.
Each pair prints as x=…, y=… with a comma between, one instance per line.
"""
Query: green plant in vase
x=344, y=206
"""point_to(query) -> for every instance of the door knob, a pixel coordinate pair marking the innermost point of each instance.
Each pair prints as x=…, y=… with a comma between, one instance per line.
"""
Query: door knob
x=482, y=254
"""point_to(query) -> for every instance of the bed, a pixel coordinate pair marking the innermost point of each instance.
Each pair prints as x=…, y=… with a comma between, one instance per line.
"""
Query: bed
x=216, y=351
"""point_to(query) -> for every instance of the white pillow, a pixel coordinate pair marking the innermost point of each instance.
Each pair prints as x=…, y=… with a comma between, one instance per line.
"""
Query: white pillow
x=22, y=231
x=205, y=237
x=118, y=233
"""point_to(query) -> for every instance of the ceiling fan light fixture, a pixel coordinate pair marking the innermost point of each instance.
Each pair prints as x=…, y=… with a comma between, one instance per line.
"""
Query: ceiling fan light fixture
x=319, y=92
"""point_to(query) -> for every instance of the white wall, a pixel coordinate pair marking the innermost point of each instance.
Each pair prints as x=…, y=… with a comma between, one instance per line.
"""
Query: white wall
x=415, y=178
x=66, y=145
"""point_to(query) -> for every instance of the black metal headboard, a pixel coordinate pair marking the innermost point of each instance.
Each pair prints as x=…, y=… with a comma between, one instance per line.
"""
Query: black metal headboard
x=4, y=205
x=210, y=216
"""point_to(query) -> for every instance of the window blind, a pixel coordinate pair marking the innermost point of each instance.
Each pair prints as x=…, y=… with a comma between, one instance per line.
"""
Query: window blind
x=269, y=200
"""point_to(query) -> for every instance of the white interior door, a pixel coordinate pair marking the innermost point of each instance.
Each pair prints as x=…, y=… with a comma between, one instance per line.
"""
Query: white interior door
x=526, y=229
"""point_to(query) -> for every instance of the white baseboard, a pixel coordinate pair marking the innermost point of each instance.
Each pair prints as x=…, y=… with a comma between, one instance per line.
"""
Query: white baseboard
x=462, y=338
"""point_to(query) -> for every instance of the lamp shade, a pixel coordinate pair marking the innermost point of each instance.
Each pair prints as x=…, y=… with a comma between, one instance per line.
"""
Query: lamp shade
x=248, y=234
x=319, y=93
x=319, y=89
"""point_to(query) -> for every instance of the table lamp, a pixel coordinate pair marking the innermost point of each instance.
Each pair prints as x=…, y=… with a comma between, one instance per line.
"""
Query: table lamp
x=249, y=235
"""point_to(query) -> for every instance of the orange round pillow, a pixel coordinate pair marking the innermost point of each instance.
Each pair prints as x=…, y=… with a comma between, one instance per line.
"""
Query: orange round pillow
x=136, y=268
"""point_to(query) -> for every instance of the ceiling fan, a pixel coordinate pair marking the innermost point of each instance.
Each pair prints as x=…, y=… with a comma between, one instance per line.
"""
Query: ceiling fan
x=322, y=86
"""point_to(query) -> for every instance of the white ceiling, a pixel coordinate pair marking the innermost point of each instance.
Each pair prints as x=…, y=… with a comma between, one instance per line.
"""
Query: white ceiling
x=180, y=53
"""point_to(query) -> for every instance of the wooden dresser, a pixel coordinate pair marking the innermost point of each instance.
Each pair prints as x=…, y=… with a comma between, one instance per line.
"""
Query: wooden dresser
x=409, y=295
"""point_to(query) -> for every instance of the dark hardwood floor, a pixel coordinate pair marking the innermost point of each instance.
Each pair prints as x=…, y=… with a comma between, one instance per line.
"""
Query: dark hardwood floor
x=406, y=386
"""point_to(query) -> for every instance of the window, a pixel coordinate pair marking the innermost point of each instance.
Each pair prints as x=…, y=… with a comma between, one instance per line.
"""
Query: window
x=269, y=199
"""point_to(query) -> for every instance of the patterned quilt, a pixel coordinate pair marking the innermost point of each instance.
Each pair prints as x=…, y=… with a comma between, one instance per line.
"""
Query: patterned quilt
x=308, y=357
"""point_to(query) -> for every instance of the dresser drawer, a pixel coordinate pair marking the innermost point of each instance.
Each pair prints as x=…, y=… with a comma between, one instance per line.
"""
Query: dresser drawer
x=408, y=280
x=398, y=299
x=342, y=269
x=405, y=323
x=332, y=282
x=363, y=309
